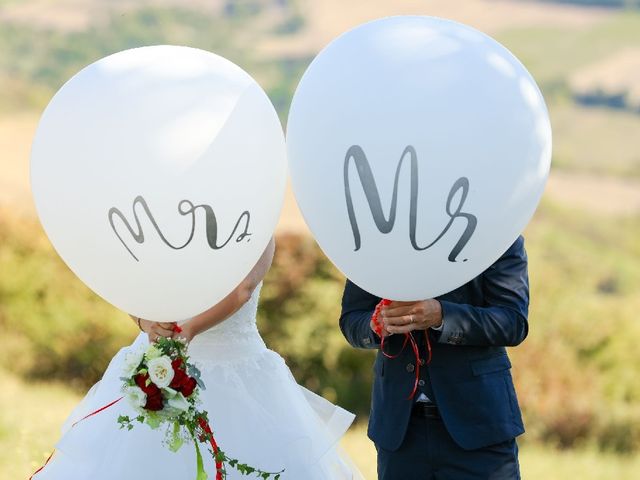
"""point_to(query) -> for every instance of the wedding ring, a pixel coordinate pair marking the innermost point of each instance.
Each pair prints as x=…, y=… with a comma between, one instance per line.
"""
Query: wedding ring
x=411, y=318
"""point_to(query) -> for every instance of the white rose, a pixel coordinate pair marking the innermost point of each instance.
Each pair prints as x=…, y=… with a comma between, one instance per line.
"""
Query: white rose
x=137, y=398
x=132, y=360
x=160, y=371
x=179, y=403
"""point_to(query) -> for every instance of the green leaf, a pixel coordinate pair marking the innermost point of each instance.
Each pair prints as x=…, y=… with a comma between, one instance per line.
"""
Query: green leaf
x=153, y=420
x=176, y=441
x=200, y=473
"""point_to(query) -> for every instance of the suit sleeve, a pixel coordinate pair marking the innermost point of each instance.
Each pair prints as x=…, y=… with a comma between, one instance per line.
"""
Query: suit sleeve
x=503, y=319
x=357, y=308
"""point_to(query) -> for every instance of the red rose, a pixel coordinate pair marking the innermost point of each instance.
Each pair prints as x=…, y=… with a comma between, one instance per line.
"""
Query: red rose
x=179, y=378
x=189, y=386
x=176, y=363
x=141, y=381
x=154, y=402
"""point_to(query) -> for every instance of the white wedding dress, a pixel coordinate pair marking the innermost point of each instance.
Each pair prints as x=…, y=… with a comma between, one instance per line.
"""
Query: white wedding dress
x=259, y=415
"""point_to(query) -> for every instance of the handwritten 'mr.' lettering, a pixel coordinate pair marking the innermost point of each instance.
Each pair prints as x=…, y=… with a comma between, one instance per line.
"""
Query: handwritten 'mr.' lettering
x=355, y=155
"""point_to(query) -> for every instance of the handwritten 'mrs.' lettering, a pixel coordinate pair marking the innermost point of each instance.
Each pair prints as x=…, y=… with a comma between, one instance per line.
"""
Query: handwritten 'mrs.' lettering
x=185, y=208
x=355, y=155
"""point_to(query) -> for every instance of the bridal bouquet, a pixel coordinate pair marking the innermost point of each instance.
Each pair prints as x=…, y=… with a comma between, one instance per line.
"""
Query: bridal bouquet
x=163, y=388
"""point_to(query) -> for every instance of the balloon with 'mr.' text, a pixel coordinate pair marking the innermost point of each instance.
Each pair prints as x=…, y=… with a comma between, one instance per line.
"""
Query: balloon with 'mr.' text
x=158, y=174
x=419, y=149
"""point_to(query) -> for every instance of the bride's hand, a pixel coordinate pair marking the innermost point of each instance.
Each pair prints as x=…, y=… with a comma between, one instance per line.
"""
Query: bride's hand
x=186, y=332
x=157, y=329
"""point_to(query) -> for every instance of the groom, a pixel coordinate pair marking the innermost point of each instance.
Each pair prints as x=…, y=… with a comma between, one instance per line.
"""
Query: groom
x=462, y=421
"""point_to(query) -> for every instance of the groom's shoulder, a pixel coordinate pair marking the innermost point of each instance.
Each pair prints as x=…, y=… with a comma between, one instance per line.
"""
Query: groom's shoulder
x=356, y=298
x=516, y=248
x=515, y=253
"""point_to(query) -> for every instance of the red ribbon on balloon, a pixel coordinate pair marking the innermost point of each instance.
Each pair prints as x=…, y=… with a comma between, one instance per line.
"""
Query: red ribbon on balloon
x=408, y=338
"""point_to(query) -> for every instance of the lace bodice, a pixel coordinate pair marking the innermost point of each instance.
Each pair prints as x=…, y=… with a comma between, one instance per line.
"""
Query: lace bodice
x=237, y=335
x=240, y=323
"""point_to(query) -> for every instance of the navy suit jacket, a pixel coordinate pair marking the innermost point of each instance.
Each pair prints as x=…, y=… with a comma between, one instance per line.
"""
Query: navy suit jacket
x=469, y=374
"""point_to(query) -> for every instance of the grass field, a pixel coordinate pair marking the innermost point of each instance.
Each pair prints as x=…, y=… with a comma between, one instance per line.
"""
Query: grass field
x=557, y=52
x=31, y=415
x=536, y=462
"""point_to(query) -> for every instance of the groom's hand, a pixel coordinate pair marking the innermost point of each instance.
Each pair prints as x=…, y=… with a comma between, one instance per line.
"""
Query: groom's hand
x=383, y=333
x=404, y=317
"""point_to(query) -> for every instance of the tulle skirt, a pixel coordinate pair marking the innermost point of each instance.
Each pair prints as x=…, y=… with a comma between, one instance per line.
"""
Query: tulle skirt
x=259, y=415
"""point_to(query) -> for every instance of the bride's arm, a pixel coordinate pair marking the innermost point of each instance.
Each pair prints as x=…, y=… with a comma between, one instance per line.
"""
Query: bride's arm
x=232, y=302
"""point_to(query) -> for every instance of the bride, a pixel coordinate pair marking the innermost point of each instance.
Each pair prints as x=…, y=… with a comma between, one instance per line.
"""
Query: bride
x=258, y=413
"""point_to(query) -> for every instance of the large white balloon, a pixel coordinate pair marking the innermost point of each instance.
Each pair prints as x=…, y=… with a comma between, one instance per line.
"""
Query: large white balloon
x=159, y=174
x=419, y=149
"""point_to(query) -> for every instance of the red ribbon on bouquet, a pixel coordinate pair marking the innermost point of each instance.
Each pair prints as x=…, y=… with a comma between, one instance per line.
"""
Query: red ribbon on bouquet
x=408, y=338
x=214, y=446
x=208, y=433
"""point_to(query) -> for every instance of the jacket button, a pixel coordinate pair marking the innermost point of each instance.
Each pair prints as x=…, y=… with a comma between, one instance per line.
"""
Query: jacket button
x=410, y=367
x=366, y=341
x=421, y=383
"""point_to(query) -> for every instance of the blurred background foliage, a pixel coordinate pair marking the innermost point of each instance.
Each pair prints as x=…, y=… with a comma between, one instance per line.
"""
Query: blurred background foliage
x=577, y=372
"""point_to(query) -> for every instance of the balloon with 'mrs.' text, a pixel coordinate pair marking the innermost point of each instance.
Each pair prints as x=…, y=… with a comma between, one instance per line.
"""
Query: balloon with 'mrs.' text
x=158, y=174
x=419, y=149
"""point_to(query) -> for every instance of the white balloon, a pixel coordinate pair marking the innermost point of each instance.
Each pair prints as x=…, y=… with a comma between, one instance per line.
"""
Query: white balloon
x=464, y=120
x=159, y=174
